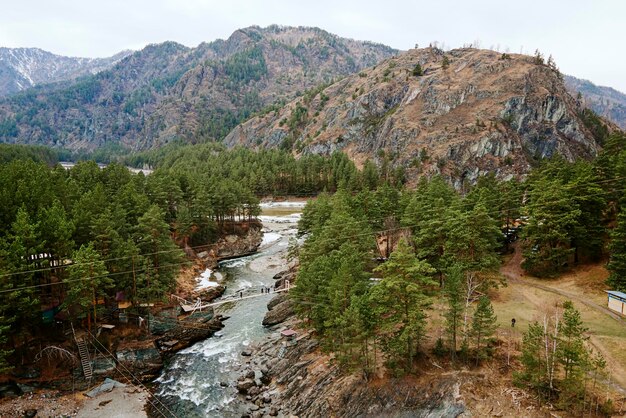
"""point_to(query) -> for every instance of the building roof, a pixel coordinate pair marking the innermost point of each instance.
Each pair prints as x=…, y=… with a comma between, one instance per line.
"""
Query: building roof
x=288, y=333
x=617, y=294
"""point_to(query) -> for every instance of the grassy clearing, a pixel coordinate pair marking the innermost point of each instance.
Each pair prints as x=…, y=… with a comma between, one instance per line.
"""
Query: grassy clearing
x=525, y=304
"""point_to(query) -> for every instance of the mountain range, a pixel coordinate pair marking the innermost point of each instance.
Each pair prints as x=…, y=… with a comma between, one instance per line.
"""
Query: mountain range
x=23, y=68
x=605, y=101
x=462, y=112
x=168, y=91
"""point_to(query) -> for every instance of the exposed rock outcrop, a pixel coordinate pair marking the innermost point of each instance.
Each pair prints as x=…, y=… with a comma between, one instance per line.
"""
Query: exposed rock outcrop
x=236, y=245
x=280, y=309
x=183, y=333
x=295, y=379
x=168, y=91
x=470, y=112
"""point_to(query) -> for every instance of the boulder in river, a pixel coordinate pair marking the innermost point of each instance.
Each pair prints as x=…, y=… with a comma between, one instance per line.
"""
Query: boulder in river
x=183, y=333
x=279, y=313
x=283, y=276
x=245, y=385
x=276, y=300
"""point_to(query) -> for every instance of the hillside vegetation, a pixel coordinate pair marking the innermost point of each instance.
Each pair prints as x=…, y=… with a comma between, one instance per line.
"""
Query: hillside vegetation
x=460, y=113
x=168, y=91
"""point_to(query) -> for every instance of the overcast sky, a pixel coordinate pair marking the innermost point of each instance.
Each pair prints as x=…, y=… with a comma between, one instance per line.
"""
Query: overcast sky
x=586, y=38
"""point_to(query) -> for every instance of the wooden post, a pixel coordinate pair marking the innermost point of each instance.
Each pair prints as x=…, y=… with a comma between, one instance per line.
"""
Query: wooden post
x=95, y=305
x=134, y=280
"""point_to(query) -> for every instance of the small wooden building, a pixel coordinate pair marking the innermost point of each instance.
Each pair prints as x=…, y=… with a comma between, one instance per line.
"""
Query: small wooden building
x=289, y=334
x=617, y=301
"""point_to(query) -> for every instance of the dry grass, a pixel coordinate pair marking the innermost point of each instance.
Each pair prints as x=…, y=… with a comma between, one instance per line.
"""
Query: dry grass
x=525, y=304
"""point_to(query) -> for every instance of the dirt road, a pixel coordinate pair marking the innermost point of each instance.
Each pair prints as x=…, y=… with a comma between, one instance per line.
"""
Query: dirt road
x=515, y=275
x=512, y=270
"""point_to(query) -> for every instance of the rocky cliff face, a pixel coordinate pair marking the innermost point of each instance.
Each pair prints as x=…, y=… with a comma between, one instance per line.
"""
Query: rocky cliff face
x=469, y=112
x=296, y=379
x=22, y=68
x=169, y=91
x=605, y=101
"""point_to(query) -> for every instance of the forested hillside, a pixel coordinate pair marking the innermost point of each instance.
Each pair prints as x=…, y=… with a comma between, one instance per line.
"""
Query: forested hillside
x=441, y=252
x=70, y=237
x=168, y=91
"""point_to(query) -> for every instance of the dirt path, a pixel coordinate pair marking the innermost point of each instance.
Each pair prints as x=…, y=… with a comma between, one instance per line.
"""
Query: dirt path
x=120, y=403
x=513, y=271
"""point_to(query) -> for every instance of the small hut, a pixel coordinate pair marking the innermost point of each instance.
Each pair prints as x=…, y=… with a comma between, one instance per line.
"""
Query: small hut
x=617, y=301
x=289, y=334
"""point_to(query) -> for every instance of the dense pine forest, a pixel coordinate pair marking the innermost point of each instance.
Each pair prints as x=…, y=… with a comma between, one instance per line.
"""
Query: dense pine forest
x=447, y=250
x=378, y=261
x=69, y=238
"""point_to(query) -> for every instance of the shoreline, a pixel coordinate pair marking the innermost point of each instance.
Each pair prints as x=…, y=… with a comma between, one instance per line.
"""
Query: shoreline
x=120, y=401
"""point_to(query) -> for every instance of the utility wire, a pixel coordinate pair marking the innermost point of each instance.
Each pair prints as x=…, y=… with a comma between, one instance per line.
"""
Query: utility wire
x=369, y=220
x=141, y=385
x=334, y=239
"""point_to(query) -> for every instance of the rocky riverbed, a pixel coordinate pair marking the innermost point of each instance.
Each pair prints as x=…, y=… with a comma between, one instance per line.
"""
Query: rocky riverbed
x=199, y=381
x=128, y=353
x=294, y=378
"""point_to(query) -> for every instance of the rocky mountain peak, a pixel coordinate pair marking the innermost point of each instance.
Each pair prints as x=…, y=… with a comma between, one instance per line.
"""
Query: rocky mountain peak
x=23, y=68
x=168, y=91
x=459, y=113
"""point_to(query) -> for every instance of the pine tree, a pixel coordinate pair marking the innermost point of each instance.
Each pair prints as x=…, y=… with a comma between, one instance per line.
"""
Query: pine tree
x=87, y=282
x=472, y=242
x=588, y=237
x=162, y=258
x=332, y=265
x=573, y=355
x=21, y=249
x=617, y=249
x=532, y=359
x=56, y=230
x=6, y=317
x=356, y=328
x=554, y=349
x=454, y=293
x=483, y=326
x=552, y=217
x=400, y=301
x=427, y=215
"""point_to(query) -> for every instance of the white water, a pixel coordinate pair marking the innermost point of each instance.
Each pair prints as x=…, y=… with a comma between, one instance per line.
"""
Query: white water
x=190, y=384
x=294, y=205
x=205, y=281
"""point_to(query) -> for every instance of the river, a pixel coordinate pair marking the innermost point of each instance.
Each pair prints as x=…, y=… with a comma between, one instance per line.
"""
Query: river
x=193, y=383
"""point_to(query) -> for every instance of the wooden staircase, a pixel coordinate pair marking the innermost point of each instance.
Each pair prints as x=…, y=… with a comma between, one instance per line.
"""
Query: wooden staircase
x=83, y=352
x=85, y=360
